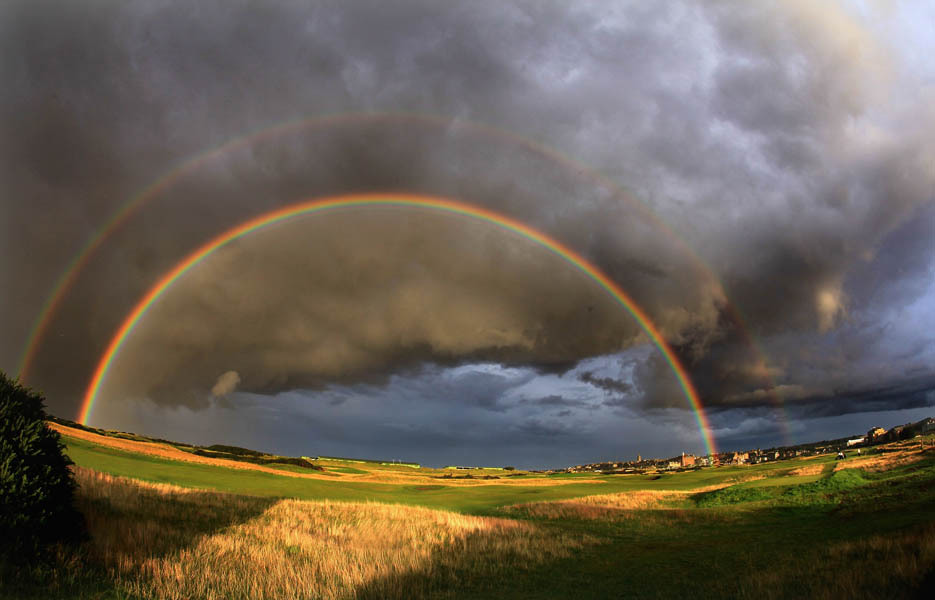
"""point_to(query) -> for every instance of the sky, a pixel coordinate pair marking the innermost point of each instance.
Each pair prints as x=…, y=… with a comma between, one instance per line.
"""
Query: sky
x=758, y=178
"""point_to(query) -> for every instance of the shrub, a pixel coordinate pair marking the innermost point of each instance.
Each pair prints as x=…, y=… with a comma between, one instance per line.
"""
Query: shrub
x=36, y=486
x=234, y=450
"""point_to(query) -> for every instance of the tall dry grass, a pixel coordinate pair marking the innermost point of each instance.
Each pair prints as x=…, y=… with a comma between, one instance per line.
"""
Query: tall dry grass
x=603, y=506
x=809, y=470
x=620, y=505
x=161, y=541
x=882, y=462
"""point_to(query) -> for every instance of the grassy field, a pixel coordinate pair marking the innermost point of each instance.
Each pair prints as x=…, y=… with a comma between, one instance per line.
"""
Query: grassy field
x=816, y=528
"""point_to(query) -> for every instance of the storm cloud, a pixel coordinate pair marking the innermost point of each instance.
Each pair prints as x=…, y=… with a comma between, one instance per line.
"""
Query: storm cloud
x=759, y=179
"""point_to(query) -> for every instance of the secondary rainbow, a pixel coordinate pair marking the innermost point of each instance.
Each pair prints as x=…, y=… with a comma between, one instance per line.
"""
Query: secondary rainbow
x=69, y=276
x=404, y=201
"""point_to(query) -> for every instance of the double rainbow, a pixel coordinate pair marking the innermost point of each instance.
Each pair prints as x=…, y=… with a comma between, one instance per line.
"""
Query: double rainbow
x=403, y=201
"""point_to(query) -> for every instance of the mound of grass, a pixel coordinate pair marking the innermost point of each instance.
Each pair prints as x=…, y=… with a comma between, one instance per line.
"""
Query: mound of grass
x=828, y=487
x=234, y=450
x=117, y=434
x=347, y=470
x=257, y=458
x=736, y=494
x=822, y=491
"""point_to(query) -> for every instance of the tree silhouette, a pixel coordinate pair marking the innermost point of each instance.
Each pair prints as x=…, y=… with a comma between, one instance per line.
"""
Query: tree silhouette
x=36, y=486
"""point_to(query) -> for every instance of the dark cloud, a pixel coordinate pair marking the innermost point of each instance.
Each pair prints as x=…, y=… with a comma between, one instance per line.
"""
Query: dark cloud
x=556, y=401
x=607, y=383
x=765, y=196
x=538, y=429
x=904, y=395
x=354, y=297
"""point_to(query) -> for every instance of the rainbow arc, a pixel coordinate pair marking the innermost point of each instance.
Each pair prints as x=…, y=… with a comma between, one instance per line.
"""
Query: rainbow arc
x=402, y=201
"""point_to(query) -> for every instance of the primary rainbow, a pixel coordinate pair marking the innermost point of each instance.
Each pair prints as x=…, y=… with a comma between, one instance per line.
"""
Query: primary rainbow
x=396, y=200
x=68, y=278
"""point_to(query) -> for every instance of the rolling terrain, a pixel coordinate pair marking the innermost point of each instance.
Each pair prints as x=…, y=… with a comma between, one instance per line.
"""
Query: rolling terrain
x=165, y=523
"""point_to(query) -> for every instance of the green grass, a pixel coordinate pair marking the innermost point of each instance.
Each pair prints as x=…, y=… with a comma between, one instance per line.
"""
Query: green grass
x=814, y=489
x=845, y=535
x=297, y=469
x=829, y=535
x=781, y=480
x=474, y=499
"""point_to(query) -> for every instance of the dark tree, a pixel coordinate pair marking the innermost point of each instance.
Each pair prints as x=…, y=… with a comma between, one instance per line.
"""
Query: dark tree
x=36, y=486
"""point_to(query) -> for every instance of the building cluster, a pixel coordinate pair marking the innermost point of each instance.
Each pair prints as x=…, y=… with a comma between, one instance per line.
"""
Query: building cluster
x=641, y=465
x=877, y=435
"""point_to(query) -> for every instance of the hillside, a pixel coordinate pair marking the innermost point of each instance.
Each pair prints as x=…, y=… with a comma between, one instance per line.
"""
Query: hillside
x=166, y=523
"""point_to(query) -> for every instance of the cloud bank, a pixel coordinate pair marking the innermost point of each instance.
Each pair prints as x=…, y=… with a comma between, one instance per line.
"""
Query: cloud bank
x=759, y=178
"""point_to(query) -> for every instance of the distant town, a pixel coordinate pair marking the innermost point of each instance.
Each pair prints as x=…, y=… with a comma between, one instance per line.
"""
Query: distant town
x=876, y=435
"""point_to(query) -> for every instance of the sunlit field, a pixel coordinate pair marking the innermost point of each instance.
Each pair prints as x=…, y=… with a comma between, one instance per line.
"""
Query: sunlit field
x=860, y=528
x=163, y=541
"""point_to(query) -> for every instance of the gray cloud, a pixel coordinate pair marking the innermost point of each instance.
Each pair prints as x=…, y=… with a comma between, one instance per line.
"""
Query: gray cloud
x=788, y=146
x=607, y=383
x=558, y=401
x=428, y=416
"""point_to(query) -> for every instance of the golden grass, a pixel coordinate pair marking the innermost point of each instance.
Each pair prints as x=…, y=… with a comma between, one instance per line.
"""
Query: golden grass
x=162, y=541
x=898, y=455
x=809, y=470
x=620, y=505
x=729, y=482
x=602, y=506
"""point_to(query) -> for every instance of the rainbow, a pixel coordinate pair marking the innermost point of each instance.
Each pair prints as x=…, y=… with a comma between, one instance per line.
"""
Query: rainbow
x=406, y=201
x=69, y=275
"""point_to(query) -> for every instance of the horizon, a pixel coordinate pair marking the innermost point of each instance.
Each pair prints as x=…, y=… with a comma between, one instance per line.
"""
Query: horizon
x=505, y=463
x=552, y=232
